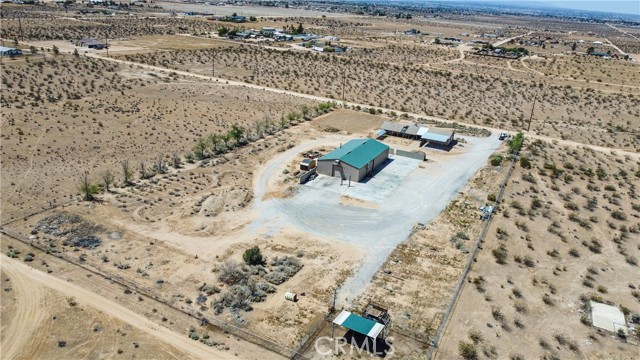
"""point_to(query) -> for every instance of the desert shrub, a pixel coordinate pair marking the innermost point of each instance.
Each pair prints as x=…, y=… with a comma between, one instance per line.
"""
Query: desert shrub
x=475, y=336
x=525, y=162
x=467, y=351
x=594, y=245
x=574, y=252
x=491, y=197
x=479, y=283
x=500, y=254
x=516, y=357
x=283, y=269
x=529, y=178
x=231, y=273
x=631, y=260
x=496, y=160
x=618, y=215
x=546, y=298
x=497, y=314
x=253, y=256
x=602, y=289
x=528, y=261
x=520, y=306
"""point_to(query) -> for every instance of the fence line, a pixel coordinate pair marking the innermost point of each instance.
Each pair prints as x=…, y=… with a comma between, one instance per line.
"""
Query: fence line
x=445, y=319
x=34, y=210
x=266, y=343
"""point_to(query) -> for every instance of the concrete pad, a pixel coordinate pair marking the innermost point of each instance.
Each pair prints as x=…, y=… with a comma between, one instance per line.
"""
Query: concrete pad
x=374, y=189
x=607, y=317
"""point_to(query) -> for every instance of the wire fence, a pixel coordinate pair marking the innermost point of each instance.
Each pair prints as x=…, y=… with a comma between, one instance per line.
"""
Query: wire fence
x=456, y=294
x=264, y=342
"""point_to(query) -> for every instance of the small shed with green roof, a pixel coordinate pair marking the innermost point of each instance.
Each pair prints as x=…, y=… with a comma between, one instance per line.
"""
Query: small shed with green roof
x=354, y=160
x=359, y=324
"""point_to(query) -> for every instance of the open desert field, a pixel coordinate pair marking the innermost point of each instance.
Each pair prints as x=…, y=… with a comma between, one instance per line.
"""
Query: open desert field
x=155, y=201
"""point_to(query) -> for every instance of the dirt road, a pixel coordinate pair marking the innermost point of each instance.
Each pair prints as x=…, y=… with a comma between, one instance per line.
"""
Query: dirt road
x=69, y=49
x=28, y=284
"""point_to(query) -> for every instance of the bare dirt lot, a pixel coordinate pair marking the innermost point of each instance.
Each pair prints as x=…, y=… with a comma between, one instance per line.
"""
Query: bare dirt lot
x=566, y=232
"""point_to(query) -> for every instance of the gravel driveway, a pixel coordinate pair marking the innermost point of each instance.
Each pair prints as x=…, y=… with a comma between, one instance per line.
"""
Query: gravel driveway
x=423, y=194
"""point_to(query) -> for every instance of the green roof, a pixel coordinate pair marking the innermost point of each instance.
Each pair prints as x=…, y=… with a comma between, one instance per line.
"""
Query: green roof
x=357, y=152
x=358, y=324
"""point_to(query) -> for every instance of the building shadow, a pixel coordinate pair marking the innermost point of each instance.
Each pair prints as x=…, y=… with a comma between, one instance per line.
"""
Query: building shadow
x=377, y=170
x=377, y=347
x=438, y=147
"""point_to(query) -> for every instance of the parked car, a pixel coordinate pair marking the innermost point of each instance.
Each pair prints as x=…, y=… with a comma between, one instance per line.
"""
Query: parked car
x=503, y=136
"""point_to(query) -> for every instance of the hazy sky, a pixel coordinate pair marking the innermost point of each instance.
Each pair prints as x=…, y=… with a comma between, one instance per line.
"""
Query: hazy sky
x=625, y=6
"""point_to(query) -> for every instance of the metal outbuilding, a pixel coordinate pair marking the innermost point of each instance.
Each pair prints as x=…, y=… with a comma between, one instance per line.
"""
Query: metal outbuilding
x=438, y=136
x=7, y=51
x=359, y=324
x=354, y=160
x=607, y=317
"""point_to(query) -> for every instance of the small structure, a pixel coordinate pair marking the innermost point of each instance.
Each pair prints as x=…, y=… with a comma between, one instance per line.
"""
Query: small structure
x=308, y=164
x=378, y=314
x=412, y=32
x=291, y=296
x=401, y=130
x=7, y=51
x=90, y=43
x=442, y=137
x=354, y=160
x=359, y=324
x=607, y=317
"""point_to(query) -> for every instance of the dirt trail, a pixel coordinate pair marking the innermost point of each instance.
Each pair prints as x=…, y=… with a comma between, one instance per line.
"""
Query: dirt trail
x=29, y=314
x=28, y=282
x=348, y=103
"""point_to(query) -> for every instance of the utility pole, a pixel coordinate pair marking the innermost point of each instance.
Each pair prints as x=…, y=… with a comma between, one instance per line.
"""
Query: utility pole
x=213, y=62
x=20, y=26
x=344, y=81
x=532, y=107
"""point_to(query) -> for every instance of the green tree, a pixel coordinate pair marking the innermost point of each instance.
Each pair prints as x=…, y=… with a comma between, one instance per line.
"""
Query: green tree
x=214, y=142
x=253, y=256
x=305, y=111
x=55, y=50
x=300, y=29
x=573, y=46
x=126, y=172
x=107, y=179
x=437, y=41
x=225, y=139
x=199, y=148
x=33, y=50
x=87, y=188
x=222, y=31
x=237, y=133
x=76, y=53
x=252, y=19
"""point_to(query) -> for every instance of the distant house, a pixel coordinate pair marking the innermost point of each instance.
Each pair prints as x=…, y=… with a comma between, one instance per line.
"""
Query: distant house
x=90, y=43
x=491, y=36
x=354, y=160
x=600, y=53
x=437, y=136
x=597, y=43
x=412, y=32
x=7, y=51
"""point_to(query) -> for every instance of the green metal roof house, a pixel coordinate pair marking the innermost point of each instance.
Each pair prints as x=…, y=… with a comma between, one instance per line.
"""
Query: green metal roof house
x=354, y=160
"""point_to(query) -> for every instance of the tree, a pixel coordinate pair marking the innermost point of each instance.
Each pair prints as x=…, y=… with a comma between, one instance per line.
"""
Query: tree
x=305, y=111
x=143, y=170
x=175, y=158
x=55, y=50
x=573, y=46
x=214, y=140
x=126, y=172
x=237, y=133
x=437, y=41
x=252, y=19
x=253, y=256
x=223, y=31
x=300, y=29
x=107, y=179
x=76, y=53
x=87, y=188
x=590, y=50
x=225, y=138
x=33, y=50
x=199, y=148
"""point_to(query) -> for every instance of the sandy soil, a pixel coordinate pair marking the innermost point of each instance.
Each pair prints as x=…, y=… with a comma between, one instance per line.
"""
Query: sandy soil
x=539, y=303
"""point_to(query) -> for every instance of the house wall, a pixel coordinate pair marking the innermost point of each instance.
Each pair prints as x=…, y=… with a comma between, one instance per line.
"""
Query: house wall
x=325, y=166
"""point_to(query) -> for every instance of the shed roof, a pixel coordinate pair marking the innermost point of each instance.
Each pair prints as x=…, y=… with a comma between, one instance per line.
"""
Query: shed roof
x=400, y=128
x=440, y=135
x=4, y=48
x=357, y=152
x=358, y=324
x=607, y=317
